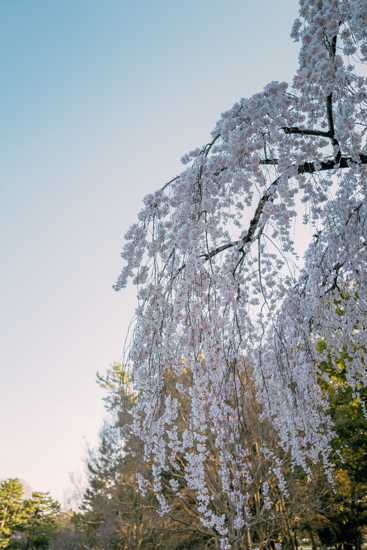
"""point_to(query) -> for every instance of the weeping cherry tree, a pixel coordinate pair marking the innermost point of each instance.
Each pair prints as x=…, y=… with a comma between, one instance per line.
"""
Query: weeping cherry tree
x=221, y=290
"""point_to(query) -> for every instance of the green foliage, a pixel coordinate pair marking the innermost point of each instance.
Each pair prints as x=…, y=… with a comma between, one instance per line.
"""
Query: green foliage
x=346, y=508
x=26, y=523
x=42, y=523
x=13, y=516
x=117, y=386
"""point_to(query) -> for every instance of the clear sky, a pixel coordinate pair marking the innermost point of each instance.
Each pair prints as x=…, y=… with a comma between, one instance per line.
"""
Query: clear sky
x=98, y=101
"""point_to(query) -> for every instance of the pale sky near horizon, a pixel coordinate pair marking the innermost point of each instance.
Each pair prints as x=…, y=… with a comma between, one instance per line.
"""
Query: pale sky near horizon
x=99, y=100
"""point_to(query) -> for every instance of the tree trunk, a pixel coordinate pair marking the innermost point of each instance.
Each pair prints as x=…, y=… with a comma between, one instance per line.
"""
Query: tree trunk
x=312, y=538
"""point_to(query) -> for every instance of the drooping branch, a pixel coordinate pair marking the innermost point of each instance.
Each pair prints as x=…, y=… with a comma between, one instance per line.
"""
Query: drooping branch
x=336, y=268
x=268, y=195
x=205, y=152
x=169, y=182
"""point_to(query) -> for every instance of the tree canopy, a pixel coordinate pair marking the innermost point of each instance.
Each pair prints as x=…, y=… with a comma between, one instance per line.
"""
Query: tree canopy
x=26, y=523
x=222, y=292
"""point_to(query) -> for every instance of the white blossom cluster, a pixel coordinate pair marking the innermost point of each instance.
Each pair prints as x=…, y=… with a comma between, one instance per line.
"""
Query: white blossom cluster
x=213, y=254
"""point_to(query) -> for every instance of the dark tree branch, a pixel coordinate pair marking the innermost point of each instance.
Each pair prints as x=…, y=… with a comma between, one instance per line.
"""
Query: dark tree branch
x=306, y=132
x=205, y=151
x=311, y=167
x=329, y=107
x=169, y=183
x=305, y=168
x=208, y=146
x=342, y=162
x=336, y=268
x=329, y=111
x=329, y=114
x=268, y=195
x=269, y=161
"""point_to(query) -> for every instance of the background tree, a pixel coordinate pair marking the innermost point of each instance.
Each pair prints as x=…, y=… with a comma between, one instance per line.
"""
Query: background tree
x=345, y=508
x=26, y=523
x=13, y=516
x=42, y=520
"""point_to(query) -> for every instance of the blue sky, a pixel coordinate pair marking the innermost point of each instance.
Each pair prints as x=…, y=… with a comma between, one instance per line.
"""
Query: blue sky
x=99, y=100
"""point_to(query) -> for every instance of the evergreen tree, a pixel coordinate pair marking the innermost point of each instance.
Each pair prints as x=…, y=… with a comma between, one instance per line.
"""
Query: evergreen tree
x=42, y=521
x=26, y=524
x=13, y=516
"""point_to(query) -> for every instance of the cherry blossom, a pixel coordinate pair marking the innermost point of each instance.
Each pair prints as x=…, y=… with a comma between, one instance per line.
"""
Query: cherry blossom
x=220, y=286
